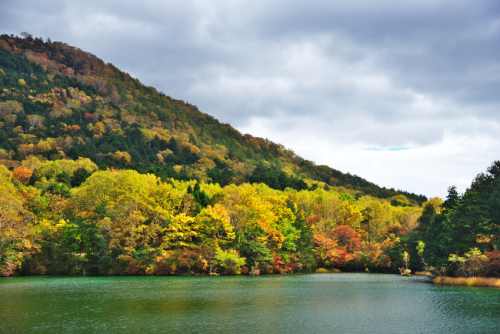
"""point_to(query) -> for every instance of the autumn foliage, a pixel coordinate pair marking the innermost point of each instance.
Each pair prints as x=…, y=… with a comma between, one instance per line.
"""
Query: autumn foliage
x=492, y=264
x=23, y=174
x=101, y=174
x=121, y=222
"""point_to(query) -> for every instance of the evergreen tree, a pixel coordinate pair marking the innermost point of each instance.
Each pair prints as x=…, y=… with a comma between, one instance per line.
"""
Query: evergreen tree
x=79, y=176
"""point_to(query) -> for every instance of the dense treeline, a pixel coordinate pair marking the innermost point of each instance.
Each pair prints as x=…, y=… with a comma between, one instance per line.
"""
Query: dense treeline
x=70, y=218
x=464, y=227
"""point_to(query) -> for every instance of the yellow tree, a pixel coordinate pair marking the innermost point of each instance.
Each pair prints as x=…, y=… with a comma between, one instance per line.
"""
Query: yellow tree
x=436, y=203
x=180, y=232
x=404, y=219
x=327, y=211
x=68, y=166
x=376, y=215
x=215, y=230
x=4, y=154
x=122, y=155
x=99, y=128
x=253, y=214
x=471, y=263
x=349, y=214
x=15, y=231
x=131, y=202
x=43, y=145
x=31, y=162
x=215, y=224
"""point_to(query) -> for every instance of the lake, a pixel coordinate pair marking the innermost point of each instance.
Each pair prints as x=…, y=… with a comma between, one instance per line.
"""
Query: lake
x=314, y=303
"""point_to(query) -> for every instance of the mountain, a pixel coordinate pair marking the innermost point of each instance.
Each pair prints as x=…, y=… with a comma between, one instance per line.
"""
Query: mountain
x=59, y=102
x=100, y=174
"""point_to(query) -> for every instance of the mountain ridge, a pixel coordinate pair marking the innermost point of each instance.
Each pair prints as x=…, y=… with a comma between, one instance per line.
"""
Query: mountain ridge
x=116, y=121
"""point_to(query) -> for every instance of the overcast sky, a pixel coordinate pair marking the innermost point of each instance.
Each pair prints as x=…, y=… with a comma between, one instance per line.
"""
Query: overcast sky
x=405, y=94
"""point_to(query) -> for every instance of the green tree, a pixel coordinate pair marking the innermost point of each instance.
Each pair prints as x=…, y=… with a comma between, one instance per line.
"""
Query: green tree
x=424, y=221
x=64, y=177
x=79, y=176
x=470, y=216
x=229, y=262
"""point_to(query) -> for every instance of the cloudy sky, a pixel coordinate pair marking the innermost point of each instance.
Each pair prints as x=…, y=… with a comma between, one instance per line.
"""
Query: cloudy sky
x=403, y=93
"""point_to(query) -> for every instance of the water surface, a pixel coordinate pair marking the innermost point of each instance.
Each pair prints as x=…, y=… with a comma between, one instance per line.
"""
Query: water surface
x=317, y=303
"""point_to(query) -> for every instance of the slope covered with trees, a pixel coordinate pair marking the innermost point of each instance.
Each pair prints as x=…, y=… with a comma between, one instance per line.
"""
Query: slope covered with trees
x=100, y=174
x=58, y=101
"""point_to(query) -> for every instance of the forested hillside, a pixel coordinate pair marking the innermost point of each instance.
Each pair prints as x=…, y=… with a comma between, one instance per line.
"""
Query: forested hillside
x=100, y=174
x=61, y=102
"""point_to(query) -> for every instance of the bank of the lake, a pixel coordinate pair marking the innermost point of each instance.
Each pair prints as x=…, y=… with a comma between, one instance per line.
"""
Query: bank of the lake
x=489, y=282
x=314, y=303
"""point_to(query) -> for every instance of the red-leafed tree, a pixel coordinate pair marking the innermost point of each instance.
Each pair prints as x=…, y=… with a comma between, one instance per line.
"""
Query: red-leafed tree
x=91, y=117
x=277, y=264
x=23, y=174
x=74, y=128
x=347, y=237
x=492, y=265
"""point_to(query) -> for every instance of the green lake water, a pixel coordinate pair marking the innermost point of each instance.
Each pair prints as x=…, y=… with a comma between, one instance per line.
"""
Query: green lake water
x=316, y=303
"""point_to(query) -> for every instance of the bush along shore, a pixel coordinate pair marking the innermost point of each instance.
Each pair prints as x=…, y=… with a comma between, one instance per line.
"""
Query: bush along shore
x=469, y=281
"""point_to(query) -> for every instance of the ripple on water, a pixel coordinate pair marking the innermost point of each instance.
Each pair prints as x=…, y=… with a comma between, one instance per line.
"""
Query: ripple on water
x=318, y=303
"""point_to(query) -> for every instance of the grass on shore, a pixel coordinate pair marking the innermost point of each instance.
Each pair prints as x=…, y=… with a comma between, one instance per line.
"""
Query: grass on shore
x=324, y=271
x=469, y=281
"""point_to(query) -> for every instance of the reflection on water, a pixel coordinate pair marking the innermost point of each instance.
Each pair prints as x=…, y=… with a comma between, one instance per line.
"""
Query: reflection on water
x=320, y=303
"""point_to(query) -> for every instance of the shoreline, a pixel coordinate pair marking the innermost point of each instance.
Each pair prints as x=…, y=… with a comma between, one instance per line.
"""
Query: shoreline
x=488, y=282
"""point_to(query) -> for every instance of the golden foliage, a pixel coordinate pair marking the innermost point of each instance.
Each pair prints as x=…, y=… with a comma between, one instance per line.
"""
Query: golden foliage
x=436, y=203
x=165, y=153
x=32, y=162
x=215, y=224
x=207, y=163
x=191, y=148
x=43, y=145
x=125, y=155
x=10, y=119
x=69, y=166
x=60, y=111
x=469, y=281
x=15, y=232
x=98, y=129
x=4, y=154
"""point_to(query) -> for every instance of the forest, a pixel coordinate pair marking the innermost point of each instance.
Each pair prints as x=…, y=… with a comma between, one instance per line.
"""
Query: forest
x=101, y=175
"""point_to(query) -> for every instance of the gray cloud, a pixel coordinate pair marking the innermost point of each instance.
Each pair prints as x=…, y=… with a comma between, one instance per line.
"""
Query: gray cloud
x=326, y=78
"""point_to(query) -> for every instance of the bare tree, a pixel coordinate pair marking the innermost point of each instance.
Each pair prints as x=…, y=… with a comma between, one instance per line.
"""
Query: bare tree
x=10, y=107
x=27, y=36
x=35, y=120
